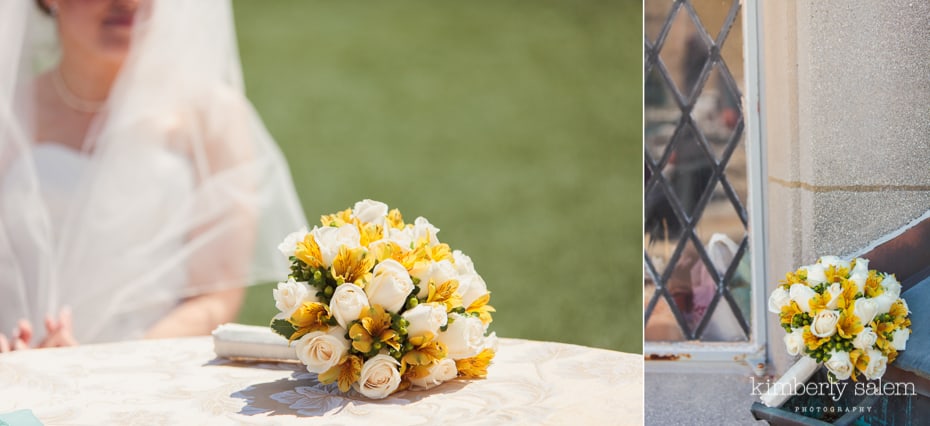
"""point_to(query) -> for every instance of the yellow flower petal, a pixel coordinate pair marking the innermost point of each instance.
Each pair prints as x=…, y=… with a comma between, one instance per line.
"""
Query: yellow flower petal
x=353, y=265
x=395, y=219
x=476, y=367
x=346, y=373
x=308, y=251
x=337, y=219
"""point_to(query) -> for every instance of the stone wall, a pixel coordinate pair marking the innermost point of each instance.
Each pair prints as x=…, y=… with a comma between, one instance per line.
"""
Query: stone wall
x=846, y=116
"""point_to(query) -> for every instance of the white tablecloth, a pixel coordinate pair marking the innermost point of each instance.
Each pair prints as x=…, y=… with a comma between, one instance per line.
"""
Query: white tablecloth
x=180, y=381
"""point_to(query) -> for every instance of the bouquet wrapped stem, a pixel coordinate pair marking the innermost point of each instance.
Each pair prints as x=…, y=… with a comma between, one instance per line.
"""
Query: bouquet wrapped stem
x=788, y=384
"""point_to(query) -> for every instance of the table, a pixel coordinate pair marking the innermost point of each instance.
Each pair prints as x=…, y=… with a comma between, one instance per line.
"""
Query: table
x=180, y=381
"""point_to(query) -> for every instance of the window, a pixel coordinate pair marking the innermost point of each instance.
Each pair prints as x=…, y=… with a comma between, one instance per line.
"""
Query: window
x=698, y=284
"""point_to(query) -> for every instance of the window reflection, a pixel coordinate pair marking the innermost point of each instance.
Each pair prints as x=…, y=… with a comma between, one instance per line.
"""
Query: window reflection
x=695, y=232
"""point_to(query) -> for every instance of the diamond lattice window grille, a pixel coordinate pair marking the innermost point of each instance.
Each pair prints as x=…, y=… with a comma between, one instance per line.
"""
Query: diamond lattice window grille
x=696, y=233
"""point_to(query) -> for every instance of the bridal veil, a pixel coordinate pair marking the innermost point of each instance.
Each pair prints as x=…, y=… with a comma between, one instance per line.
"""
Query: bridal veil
x=178, y=189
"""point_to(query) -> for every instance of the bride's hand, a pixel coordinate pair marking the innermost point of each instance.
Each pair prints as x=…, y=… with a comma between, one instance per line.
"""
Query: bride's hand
x=58, y=331
x=19, y=339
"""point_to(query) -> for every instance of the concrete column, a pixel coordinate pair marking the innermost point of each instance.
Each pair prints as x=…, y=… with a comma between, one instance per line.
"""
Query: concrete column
x=846, y=110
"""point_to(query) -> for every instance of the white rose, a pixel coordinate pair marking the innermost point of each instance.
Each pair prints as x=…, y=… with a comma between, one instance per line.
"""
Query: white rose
x=464, y=338
x=836, y=291
x=877, y=365
x=865, y=309
x=379, y=377
x=779, y=299
x=490, y=342
x=423, y=229
x=828, y=261
x=320, y=351
x=891, y=285
x=330, y=238
x=865, y=339
x=883, y=303
x=899, y=339
x=425, y=318
x=815, y=274
x=438, y=272
x=824, y=323
x=471, y=287
x=801, y=294
x=862, y=266
x=794, y=342
x=370, y=211
x=401, y=237
x=290, y=295
x=347, y=303
x=463, y=263
x=390, y=285
x=859, y=279
x=840, y=365
x=289, y=245
x=441, y=371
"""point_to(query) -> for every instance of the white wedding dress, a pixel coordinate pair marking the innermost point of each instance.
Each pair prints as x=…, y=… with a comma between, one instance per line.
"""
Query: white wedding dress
x=153, y=187
x=179, y=191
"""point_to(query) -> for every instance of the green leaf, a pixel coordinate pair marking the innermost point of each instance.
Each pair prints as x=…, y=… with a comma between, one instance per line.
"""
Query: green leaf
x=283, y=327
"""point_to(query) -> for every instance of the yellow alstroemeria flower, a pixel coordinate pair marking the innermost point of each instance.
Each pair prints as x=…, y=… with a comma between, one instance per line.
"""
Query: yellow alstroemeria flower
x=819, y=301
x=346, y=373
x=415, y=372
x=353, y=265
x=848, y=297
x=369, y=232
x=481, y=307
x=798, y=277
x=373, y=331
x=445, y=293
x=425, y=352
x=835, y=275
x=421, y=252
x=811, y=341
x=308, y=251
x=788, y=312
x=310, y=316
x=392, y=250
x=476, y=367
x=395, y=219
x=337, y=219
x=873, y=285
x=883, y=343
x=849, y=324
x=440, y=252
x=899, y=312
x=860, y=362
x=882, y=328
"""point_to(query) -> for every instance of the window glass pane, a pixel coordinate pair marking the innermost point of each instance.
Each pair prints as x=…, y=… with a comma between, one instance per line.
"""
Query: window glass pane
x=696, y=259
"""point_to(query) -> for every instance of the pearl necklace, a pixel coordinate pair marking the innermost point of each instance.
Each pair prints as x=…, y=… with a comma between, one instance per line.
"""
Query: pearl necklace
x=73, y=101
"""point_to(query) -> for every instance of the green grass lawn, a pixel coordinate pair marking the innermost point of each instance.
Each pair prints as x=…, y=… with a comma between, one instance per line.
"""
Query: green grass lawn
x=514, y=126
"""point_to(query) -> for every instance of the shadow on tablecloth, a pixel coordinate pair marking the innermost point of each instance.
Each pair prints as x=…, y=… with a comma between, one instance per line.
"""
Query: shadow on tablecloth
x=303, y=395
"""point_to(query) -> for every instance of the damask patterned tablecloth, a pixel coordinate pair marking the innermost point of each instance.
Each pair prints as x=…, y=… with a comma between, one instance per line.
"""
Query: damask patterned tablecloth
x=180, y=381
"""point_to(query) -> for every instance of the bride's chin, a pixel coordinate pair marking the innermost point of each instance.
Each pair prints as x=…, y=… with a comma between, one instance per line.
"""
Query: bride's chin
x=114, y=55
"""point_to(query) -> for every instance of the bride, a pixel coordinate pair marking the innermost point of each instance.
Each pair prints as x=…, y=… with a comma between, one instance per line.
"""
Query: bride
x=139, y=192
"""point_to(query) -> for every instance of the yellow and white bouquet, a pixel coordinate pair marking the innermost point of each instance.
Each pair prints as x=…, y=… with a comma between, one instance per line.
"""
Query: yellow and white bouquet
x=843, y=315
x=379, y=305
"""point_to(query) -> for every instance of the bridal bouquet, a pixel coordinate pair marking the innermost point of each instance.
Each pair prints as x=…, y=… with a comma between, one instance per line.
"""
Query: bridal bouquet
x=380, y=305
x=840, y=314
